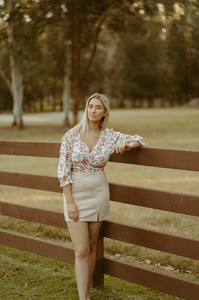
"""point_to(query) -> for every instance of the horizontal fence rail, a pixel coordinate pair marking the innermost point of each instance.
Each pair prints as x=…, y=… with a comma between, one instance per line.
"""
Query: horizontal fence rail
x=37, y=246
x=151, y=198
x=40, y=149
x=145, y=197
x=153, y=157
x=157, y=240
x=166, y=283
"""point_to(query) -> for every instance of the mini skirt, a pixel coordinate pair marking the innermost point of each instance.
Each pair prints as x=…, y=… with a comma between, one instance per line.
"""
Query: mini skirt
x=91, y=194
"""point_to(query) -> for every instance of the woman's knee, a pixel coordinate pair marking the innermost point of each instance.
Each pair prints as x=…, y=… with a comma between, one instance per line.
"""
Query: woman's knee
x=93, y=246
x=82, y=252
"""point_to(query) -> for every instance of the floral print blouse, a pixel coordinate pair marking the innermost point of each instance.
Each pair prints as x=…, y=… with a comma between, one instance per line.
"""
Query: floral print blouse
x=76, y=156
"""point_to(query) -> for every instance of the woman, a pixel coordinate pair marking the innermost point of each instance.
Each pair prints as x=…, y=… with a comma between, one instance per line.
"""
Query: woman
x=84, y=152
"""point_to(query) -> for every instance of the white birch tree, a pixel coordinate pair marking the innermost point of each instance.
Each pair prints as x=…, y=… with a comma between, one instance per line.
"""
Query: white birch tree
x=67, y=83
x=16, y=72
x=6, y=80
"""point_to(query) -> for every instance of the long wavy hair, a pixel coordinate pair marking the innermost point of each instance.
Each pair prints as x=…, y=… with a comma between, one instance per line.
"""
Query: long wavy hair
x=82, y=126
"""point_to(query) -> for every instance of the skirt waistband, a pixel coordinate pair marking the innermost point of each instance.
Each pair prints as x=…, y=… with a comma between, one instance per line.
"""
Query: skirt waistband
x=74, y=173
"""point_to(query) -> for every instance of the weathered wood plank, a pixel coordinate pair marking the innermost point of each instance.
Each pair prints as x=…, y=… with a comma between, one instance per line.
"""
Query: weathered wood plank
x=44, y=248
x=155, y=157
x=168, y=201
x=164, y=158
x=39, y=182
x=170, y=243
x=41, y=149
x=98, y=276
x=37, y=246
x=37, y=215
x=162, y=282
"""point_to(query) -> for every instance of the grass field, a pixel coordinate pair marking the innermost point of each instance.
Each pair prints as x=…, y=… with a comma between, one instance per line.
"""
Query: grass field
x=166, y=128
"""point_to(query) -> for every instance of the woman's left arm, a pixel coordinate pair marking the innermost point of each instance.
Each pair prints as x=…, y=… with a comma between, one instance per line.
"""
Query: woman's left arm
x=126, y=142
x=122, y=146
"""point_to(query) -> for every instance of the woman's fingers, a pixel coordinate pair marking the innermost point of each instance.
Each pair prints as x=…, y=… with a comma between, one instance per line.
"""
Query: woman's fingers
x=74, y=215
x=121, y=147
x=73, y=211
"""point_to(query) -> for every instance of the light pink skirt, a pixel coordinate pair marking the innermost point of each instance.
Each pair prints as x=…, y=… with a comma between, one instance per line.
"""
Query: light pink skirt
x=90, y=193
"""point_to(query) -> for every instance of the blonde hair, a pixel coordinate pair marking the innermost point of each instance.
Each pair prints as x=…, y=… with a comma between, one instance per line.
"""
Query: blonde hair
x=82, y=126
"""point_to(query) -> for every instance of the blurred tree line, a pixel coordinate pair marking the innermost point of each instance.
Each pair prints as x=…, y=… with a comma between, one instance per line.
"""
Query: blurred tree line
x=54, y=54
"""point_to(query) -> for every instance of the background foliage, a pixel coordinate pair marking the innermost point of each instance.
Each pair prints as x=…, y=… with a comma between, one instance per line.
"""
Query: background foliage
x=145, y=50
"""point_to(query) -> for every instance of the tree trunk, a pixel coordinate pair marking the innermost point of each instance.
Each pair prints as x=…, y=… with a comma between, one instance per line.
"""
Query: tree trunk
x=41, y=105
x=133, y=102
x=121, y=103
x=76, y=53
x=6, y=80
x=76, y=98
x=67, y=83
x=17, y=87
x=141, y=103
x=16, y=73
x=163, y=102
x=77, y=75
x=150, y=102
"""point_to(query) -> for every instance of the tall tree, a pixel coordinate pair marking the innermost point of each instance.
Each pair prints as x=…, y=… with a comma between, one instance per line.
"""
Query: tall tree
x=82, y=21
x=67, y=83
x=85, y=20
x=16, y=70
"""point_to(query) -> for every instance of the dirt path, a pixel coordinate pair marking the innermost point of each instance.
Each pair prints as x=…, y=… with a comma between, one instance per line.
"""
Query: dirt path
x=57, y=117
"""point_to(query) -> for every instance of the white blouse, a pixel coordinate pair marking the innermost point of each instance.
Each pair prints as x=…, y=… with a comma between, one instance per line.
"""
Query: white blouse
x=76, y=156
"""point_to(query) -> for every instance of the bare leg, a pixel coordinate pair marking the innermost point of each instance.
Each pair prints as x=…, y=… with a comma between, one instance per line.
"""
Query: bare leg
x=79, y=232
x=84, y=237
x=94, y=228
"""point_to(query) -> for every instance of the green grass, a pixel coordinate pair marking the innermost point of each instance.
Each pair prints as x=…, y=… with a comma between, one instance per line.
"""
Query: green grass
x=25, y=275
x=166, y=128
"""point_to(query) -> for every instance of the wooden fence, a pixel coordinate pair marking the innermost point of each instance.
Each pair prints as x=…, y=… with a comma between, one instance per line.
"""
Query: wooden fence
x=151, y=198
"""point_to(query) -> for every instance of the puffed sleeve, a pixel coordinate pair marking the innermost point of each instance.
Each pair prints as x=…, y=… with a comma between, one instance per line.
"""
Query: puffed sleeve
x=65, y=161
x=125, y=138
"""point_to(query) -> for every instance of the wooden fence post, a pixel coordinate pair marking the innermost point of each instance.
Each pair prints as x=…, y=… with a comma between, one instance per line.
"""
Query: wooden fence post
x=98, y=276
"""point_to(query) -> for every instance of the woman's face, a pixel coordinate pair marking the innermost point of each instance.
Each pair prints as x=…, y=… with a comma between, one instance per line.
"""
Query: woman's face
x=95, y=111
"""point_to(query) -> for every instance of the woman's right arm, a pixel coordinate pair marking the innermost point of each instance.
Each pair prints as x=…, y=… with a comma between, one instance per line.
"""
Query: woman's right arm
x=64, y=175
x=72, y=208
x=65, y=161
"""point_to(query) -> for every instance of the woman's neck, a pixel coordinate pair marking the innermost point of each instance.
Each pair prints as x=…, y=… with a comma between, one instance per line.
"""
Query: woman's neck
x=94, y=127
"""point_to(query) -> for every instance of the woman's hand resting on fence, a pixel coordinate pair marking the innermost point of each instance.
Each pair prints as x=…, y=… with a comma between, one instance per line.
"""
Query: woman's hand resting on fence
x=121, y=147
